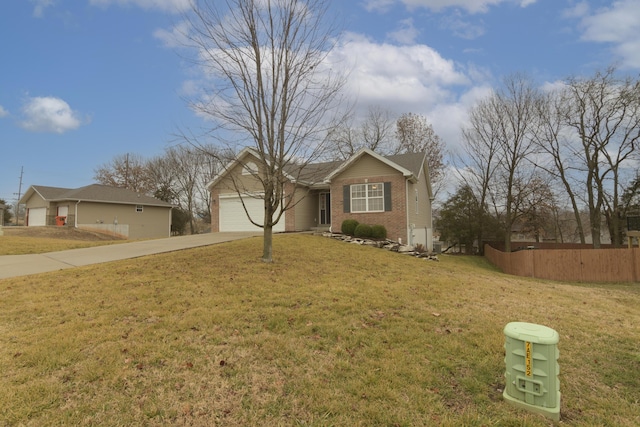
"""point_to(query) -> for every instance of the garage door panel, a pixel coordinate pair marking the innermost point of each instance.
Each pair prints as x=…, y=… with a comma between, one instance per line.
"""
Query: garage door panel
x=37, y=217
x=233, y=217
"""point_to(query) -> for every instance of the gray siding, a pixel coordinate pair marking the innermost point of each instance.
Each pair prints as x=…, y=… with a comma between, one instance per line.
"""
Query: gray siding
x=152, y=222
x=366, y=166
x=306, y=210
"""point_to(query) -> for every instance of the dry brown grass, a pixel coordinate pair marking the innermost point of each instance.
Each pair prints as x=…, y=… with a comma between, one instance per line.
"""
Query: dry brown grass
x=35, y=240
x=331, y=334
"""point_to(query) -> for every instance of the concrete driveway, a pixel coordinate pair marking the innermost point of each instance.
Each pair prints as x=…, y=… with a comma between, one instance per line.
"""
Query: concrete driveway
x=23, y=265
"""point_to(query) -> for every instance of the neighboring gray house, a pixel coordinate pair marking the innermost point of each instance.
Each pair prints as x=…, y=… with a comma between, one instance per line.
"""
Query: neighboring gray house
x=393, y=191
x=99, y=208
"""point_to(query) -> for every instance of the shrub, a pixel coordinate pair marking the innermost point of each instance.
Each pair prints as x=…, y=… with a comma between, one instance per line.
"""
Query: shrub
x=349, y=227
x=419, y=248
x=362, y=231
x=378, y=232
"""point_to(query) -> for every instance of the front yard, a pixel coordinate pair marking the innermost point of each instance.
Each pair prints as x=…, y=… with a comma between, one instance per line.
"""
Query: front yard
x=330, y=334
x=37, y=240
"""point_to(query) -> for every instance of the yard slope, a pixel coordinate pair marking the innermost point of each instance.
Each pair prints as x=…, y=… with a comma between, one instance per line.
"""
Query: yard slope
x=330, y=334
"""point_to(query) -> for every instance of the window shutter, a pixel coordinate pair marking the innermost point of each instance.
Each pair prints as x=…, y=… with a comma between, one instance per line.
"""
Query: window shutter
x=387, y=196
x=346, y=198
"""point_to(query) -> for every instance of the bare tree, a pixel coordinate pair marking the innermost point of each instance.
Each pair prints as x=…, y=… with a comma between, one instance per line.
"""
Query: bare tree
x=478, y=162
x=269, y=87
x=185, y=163
x=377, y=129
x=604, y=113
x=210, y=164
x=344, y=140
x=162, y=175
x=538, y=206
x=125, y=171
x=374, y=132
x=552, y=139
x=415, y=134
x=499, y=134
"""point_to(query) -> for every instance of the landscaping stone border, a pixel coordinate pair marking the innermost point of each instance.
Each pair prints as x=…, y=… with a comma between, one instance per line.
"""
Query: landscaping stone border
x=387, y=244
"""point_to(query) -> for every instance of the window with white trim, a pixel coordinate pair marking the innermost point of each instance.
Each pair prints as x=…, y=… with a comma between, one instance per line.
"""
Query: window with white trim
x=367, y=197
x=139, y=208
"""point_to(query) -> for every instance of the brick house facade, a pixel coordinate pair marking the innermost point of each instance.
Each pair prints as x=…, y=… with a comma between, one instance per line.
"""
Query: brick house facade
x=329, y=193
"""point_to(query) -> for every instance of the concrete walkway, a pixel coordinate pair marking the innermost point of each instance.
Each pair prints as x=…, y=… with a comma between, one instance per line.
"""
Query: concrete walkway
x=23, y=265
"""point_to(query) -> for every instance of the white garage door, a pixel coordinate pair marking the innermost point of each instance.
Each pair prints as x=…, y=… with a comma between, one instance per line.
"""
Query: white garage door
x=234, y=218
x=37, y=217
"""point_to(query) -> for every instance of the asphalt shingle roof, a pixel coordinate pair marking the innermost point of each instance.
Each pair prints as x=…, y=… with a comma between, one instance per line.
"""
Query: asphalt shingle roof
x=410, y=161
x=317, y=172
x=98, y=193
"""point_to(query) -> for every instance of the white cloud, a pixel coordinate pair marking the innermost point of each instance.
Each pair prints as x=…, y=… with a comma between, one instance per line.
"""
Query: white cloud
x=580, y=10
x=177, y=36
x=383, y=72
x=407, y=33
x=49, y=114
x=617, y=25
x=462, y=28
x=553, y=86
x=399, y=78
x=449, y=118
x=471, y=6
x=413, y=79
x=613, y=24
x=378, y=5
x=190, y=88
x=172, y=6
x=3, y=112
x=40, y=6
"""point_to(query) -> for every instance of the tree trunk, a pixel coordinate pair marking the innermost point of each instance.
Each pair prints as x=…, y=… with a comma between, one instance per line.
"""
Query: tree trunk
x=576, y=214
x=508, y=224
x=507, y=237
x=267, y=247
x=596, y=228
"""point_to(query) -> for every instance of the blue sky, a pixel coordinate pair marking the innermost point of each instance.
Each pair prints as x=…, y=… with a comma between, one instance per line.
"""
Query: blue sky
x=83, y=81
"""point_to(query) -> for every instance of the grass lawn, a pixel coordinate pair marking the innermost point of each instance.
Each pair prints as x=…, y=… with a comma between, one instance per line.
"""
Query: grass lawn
x=38, y=240
x=10, y=245
x=332, y=334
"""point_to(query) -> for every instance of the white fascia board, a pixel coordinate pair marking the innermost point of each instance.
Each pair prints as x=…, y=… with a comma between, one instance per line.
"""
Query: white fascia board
x=231, y=165
x=424, y=169
x=28, y=195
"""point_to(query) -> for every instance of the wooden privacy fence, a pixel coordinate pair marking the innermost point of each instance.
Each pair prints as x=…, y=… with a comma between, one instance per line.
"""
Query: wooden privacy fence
x=572, y=265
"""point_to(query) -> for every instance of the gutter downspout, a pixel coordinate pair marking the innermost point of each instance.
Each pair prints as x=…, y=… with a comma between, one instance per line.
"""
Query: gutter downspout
x=76, y=215
x=430, y=230
x=170, y=219
x=408, y=212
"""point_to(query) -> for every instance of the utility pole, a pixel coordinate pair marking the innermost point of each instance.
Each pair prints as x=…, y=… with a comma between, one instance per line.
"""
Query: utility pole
x=126, y=173
x=19, y=194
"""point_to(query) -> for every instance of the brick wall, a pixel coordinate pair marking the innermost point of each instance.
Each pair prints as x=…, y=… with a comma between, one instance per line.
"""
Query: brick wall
x=215, y=211
x=394, y=221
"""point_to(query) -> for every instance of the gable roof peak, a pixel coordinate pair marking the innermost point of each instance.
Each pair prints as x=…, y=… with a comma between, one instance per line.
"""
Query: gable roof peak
x=407, y=173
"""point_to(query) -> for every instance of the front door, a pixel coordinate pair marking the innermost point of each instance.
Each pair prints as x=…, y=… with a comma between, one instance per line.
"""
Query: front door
x=325, y=208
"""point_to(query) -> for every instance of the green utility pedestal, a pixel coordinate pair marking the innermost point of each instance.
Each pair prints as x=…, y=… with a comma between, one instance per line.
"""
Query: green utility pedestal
x=531, y=356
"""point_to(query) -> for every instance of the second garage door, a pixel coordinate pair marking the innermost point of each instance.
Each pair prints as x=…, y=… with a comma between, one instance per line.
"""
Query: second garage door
x=37, y=217
x=233, y=217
